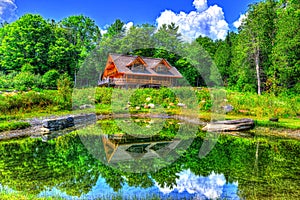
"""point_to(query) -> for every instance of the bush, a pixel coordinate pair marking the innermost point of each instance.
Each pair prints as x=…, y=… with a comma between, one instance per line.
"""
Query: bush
x=50, y=78
x=26, y=80
x=64, y=87
x=26, y=101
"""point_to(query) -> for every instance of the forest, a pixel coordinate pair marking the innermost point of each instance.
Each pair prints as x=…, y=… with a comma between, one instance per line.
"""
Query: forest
x=263, y=56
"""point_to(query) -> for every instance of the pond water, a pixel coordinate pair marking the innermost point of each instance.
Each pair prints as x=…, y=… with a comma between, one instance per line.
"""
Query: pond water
x=107, y=160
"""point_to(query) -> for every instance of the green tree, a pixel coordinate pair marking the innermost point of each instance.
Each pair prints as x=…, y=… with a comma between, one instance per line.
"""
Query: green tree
x=63, y=56
x=117, y=29
x=82, y=32
x=208, y=44
x=223, y=56
x=256, y=39
x=286, y=52
x=167, y=37
x=137, y=38
x=26, y=41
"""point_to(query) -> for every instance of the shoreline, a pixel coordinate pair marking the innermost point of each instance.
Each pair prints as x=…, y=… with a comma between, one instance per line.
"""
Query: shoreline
x=34, y=131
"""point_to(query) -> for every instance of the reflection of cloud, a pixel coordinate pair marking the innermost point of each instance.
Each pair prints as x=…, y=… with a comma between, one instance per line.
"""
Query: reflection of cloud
x=7, y=10
x=205, y=21
x=188, y=186
x=239, y=22
x=211, y=187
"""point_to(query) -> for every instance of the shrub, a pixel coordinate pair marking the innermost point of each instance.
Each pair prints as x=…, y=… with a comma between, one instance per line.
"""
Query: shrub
x=50, y=78
x=25, y=80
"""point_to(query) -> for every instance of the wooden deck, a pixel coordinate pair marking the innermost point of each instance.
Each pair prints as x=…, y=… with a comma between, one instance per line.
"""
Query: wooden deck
x=138, y=81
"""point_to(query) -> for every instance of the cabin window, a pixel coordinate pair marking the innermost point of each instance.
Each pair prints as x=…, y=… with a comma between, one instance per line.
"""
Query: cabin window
x=161, y=69
x=137, y=67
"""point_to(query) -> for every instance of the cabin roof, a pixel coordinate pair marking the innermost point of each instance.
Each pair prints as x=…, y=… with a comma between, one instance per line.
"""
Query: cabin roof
x=123, y=61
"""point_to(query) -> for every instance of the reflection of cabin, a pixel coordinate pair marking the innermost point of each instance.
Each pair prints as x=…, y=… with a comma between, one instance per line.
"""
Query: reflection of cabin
x=134, y=71
x=125, y=147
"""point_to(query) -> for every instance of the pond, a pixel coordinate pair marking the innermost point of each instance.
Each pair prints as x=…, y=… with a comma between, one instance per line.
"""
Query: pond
x=110, y=160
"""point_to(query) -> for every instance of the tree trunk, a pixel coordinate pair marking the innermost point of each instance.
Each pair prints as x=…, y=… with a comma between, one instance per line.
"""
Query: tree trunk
x=257, y=72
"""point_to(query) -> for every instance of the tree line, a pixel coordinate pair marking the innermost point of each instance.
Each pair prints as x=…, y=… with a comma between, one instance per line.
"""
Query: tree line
x=262, y=56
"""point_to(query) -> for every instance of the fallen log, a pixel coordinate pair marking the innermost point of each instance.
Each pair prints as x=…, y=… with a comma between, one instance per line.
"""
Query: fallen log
x=230, y=125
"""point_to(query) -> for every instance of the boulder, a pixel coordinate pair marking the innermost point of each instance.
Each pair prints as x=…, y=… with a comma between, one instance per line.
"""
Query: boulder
x=85, y=106
x=228, y=108
x=181, y=105
x=230, y=125
x=151, y=105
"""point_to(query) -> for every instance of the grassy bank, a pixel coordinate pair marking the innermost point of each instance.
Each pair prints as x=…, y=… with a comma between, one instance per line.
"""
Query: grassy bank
x=18, y=106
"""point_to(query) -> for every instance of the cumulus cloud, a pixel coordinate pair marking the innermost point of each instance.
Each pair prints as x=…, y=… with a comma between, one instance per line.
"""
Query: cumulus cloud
x=204, y=21
x=211, y=187
x=128, y=26
x=200, y=5
x=239, y=22
x=7, y=10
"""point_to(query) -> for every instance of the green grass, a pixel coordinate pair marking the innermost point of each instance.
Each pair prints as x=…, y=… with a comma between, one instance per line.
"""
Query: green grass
x=14, y=108
x=13, y=125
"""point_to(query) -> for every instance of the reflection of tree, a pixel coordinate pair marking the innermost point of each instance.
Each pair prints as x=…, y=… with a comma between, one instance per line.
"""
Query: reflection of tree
x=139, y=180
x=30, y=165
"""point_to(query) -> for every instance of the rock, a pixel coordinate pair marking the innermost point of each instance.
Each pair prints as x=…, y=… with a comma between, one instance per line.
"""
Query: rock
x=45, y=130
x=273, y=119
x=58, y=124
x=85, y=106
x=75, y=107
x=138, y=108
x=229, y=125
x=228, y=108
x=148, y=99
x=181, y=105
x=151, y=105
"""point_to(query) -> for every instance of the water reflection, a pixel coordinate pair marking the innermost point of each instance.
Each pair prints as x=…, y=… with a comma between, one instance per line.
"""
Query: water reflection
x=264, y=168
x=187, y=186
x=137, y=152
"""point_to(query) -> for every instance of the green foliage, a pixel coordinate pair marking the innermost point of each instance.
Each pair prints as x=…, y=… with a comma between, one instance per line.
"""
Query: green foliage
x=7, y=126
x=256, y=58
x=286, y=51
x=26, y=41
x=50, y=78
x=82, y=32
x=266, y=105
x=64, y=88
x=26, y=80
x=65, y=163
x=26, y=101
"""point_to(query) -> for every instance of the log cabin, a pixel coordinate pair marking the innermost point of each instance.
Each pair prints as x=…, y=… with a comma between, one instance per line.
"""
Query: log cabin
x=137, y=71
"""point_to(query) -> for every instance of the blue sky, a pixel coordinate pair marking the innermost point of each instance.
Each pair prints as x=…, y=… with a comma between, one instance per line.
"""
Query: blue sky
x=137, y=11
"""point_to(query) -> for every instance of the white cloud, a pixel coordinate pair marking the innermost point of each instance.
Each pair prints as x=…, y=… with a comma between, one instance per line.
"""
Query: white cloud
x=211, y=187
x=103, y=31
x=200, y=5
x=7, y=10
x=204, y=21
x=239, y=22
x=128, y=26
